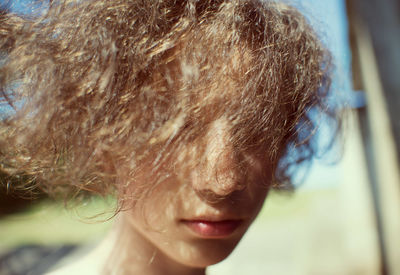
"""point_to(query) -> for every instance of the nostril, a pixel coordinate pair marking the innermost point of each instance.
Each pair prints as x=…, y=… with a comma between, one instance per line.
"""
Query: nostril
x=211, y=196
x=219, y=172
x=218, y=181
x=220, y=185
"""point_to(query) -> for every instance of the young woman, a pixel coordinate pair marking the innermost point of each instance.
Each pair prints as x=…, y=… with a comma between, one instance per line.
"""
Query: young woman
x=187, y=111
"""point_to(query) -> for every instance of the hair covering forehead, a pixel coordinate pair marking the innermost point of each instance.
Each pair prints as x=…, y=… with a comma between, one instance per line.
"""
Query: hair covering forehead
x=118, y=81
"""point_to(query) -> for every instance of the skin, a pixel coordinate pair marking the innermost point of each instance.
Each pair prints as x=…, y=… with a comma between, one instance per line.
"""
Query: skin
x=220, y=183
x=154, y=237
x=151, y=235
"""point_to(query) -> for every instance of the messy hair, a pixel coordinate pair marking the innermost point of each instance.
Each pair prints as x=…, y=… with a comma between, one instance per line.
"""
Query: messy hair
x=99, y=85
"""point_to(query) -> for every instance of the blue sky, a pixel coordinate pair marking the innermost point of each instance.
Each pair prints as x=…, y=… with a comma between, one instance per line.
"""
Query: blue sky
x=329, y=19
x=21, y=6
x=327, y=16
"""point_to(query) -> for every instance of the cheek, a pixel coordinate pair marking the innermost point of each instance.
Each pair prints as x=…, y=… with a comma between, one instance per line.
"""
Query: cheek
x=260, y=194
x=167, y=238
x=156, y=218
x=158, y=207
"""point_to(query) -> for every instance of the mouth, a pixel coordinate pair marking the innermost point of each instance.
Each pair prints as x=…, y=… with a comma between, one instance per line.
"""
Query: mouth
x=212, y=229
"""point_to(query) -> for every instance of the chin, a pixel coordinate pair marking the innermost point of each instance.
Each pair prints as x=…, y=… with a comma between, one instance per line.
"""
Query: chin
x=207, y=252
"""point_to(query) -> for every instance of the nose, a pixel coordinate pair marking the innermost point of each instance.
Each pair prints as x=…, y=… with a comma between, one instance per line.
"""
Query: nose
x=219, y=174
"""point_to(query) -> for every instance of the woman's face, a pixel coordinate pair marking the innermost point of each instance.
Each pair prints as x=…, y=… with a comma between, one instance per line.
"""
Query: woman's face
x=197, y=217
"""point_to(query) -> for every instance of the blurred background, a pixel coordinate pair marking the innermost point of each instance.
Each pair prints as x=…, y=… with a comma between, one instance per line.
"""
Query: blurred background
x=345, y=217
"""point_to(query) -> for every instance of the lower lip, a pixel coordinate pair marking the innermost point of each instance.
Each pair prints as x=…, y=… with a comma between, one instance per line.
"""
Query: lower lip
x=211, y=229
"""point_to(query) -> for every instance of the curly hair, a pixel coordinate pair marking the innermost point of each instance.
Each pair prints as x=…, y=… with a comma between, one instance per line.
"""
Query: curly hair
x=99, y=85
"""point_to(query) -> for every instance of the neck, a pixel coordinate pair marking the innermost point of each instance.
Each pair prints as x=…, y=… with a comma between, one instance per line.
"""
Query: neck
x=130, y=253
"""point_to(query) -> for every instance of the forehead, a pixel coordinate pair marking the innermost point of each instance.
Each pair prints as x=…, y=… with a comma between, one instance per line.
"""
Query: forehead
x=206, y=74
x=196, y=84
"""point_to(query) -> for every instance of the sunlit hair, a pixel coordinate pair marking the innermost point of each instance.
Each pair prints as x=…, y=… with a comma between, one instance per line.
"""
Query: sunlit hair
x=101, y=88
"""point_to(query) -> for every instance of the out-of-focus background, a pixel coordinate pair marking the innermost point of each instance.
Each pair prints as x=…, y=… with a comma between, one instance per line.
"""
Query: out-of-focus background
x=345, y=218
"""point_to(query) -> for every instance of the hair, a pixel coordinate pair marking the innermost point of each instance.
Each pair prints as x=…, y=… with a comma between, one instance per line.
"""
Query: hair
x=100, y=85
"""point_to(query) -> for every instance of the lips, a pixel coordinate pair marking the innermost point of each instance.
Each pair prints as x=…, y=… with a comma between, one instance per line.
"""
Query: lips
x=213, y=229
